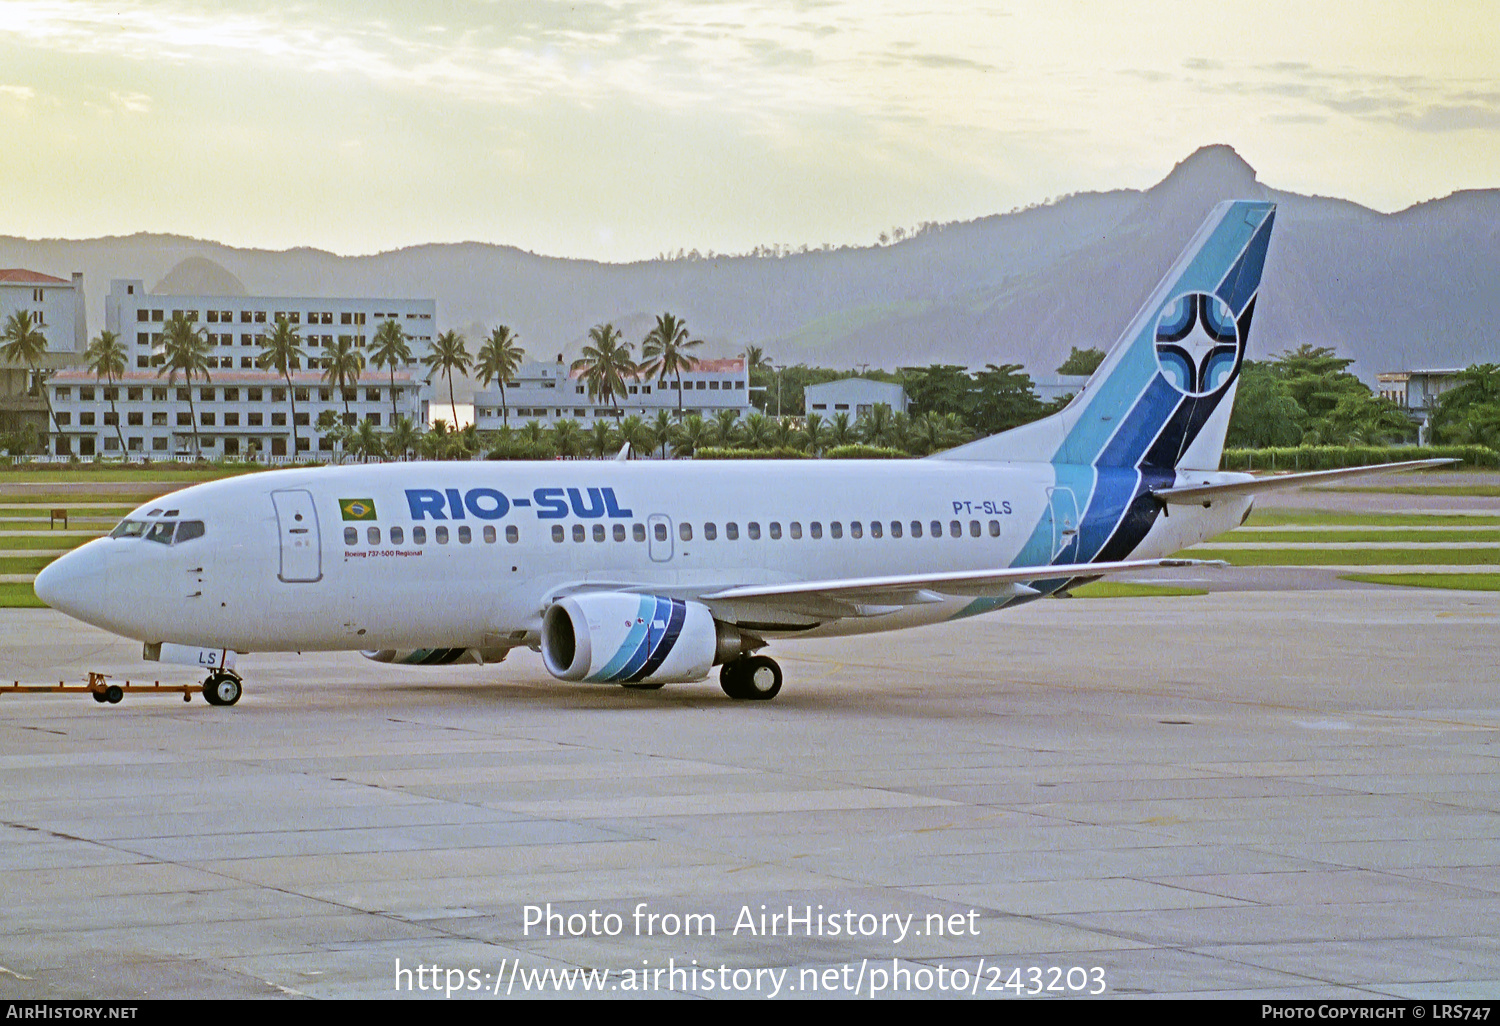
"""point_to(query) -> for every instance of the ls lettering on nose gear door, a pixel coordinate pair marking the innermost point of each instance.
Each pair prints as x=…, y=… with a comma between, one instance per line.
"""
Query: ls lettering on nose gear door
x=297, y=522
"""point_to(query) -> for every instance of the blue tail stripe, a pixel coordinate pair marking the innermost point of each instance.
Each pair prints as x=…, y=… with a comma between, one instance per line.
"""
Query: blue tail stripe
x=1243, y=280
x=1142, y=425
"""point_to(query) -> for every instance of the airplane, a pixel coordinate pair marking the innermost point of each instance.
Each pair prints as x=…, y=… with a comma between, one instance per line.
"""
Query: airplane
x=652, y=572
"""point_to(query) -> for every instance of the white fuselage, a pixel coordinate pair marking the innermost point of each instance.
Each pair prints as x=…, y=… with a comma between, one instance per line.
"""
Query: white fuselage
x=471, y=554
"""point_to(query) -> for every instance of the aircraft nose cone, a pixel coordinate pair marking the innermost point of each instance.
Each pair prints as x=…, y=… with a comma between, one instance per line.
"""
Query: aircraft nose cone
x=73, y=584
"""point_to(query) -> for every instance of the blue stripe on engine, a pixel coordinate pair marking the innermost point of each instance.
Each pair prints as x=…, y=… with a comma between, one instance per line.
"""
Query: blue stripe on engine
x=676, y=617
x=633, y=640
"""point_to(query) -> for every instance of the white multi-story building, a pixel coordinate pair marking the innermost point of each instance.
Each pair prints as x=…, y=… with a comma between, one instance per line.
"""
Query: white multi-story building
x=57, y=310
x=550, y=392
x=240, y=409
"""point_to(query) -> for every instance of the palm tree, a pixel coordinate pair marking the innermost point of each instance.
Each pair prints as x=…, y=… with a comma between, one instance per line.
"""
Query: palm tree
x=756, y=431
x=185, y=348
x=840, y=430
x=727, y=427
x=390, y=350
x=815, y=427
x=24, y=343
x=282, y=350
x=784, y=434
x=403, y=438
x=875, y=426
x=567, y=437
x=601, y=439
x=106, y=360
x=662, y=428
x=449, y=354
x=499, y=358
x=664, y=352
x=365, y=441
x=692, y=434
x=640, y=435
x=341, y=369
x=606, y=363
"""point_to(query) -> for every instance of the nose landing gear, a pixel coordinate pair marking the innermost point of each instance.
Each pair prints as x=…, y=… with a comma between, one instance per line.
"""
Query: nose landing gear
x=223, y=687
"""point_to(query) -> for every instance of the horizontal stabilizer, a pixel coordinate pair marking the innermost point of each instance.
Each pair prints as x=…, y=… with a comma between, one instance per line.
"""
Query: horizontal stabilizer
x=1203, y=494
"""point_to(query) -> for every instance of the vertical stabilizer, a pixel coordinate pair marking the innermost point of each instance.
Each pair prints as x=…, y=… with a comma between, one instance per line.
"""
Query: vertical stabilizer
x=1162, y=397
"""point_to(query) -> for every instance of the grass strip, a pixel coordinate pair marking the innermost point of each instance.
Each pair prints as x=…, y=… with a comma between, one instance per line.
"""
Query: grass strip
x=1355, y=535
x=1482, y=491
x=19, y=596
x=27, y=542
x=134, y=498
x=1120, y=589
x=1332, y=518
x=1456, y=582
x=135, y=475
x=1348, y=557
x=24, y=564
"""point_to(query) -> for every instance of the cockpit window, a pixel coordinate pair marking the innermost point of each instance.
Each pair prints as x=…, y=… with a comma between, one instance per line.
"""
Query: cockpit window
x=161, y=531
x=129, y=529
x=187, y=531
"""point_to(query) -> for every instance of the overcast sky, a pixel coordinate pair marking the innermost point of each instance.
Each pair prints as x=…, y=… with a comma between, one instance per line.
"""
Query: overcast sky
x=621, y=129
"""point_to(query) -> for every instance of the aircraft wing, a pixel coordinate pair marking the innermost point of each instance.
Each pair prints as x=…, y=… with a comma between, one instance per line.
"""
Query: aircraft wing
x=1203, y=494
x=873, y=596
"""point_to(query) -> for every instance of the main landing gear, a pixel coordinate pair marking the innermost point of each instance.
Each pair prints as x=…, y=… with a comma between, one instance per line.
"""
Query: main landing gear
x=223, y=687
x=753, y=679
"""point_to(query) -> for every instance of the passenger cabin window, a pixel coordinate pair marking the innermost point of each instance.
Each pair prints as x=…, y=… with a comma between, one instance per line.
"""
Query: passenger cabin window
x=465, y=536
x=815, y=529
x=937, y=528
x=973, y=529
x=955, y=529
x=638, y=532
x=685, y=531
x=856, y=529
x=836, y=529
x=512, y=534
x=619, y=532
x=661, y=532
x=373, y=535
x=419, y=536
x=916, y=528
x=875, y=529
x=895, y=528
x=489, y=534
x=732, y=531
x=994, y=528
x=752, y=529
x=710, y=532
x=794, y=530
x=440, y=535
x=398, y=536
x=598, y=532
x=776, y=530
x=579, y=534
x=557, y=532
x=351, y=536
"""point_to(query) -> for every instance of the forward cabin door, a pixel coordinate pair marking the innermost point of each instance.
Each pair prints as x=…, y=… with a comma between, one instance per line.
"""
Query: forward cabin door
x=301, y=547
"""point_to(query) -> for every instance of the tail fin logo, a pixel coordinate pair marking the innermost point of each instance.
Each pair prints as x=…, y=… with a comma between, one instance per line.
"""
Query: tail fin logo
x=1197, y=343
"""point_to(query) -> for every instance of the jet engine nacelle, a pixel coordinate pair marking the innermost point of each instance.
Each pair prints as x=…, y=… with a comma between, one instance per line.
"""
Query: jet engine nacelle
x=619, y=637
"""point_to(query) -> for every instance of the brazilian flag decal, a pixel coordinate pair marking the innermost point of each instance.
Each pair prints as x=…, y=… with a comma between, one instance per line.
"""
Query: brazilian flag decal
x=357, y=509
